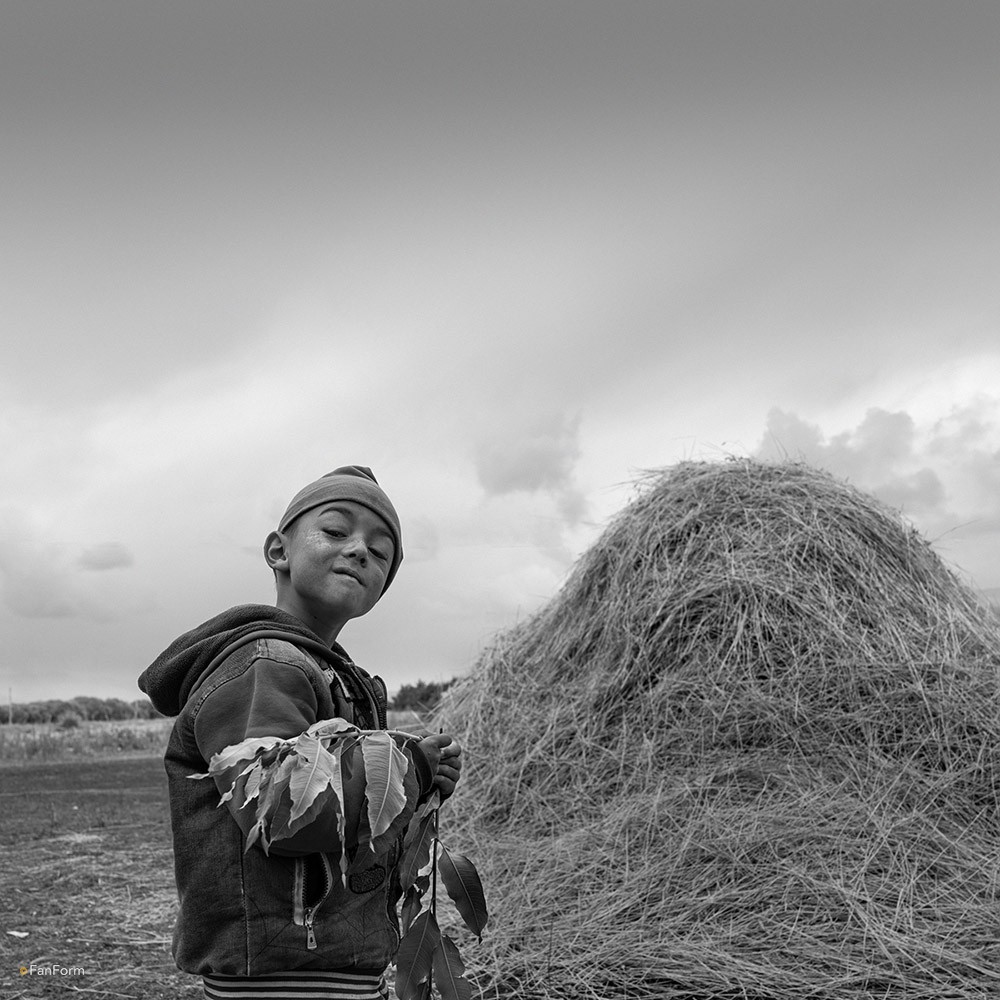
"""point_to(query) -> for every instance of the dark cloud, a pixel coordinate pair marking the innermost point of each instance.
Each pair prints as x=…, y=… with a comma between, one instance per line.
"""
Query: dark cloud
x=535, y=456
x=106, y=555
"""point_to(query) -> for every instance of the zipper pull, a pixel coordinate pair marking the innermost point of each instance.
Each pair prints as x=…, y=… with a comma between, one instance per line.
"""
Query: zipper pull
x=310, y=934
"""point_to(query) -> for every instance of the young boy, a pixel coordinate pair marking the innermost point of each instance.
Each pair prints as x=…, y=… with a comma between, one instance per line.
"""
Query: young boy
x=282, y=924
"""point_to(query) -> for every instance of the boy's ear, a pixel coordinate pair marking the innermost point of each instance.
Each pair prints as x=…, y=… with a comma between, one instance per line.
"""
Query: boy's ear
x=276, y=551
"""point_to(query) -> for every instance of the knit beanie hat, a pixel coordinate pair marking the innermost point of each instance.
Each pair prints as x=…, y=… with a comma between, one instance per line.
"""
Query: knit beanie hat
x=350, y=482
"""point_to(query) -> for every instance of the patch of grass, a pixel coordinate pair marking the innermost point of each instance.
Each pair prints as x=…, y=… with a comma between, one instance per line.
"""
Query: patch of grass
x=20, y=743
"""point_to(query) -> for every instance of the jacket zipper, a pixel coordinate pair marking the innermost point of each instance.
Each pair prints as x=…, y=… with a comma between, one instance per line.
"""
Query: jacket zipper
x=310, y=933
x=308, y=913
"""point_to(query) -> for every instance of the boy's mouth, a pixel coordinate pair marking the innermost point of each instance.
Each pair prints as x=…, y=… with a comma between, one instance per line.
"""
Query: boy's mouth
x=347, y=572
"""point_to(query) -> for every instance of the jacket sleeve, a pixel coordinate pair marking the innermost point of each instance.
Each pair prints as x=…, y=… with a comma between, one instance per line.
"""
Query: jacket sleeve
x=271, y=698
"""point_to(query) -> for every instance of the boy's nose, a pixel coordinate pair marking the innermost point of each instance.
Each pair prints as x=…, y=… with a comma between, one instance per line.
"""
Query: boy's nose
x=355, y=548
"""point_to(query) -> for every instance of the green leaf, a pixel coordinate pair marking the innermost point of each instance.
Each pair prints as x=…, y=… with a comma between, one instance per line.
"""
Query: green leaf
x=396, y=830
x=385, y=772
x=255, y=832
x=431, y=804
x=337, y=787
x=305, y=746
x=415, y=955
x=311, y=777
x=324, y=801
x=251, y=773
x=416, y=850
x=272, y=803
x=237, y=753
x=449, y=972
x=465, y=888
x=412, y=904
x=330, y=727
x=252, y=786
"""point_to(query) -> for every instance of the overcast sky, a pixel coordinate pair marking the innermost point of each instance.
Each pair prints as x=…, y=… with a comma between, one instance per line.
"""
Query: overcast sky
x=507, y=254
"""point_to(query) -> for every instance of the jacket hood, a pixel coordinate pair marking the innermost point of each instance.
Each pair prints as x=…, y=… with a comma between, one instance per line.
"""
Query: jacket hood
x=168, y=680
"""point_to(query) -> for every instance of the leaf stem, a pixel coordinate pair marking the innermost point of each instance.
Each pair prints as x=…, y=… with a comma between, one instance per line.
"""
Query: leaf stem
x=434, y=882
x=434, y=856
x=434, y=866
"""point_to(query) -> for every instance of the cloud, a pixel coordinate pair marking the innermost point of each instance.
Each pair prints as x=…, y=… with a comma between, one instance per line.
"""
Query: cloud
x=44, y=579
x=882, y=441
x=535, y=456
x=881, y=455
x=919, y=491
x=942, y=471
x=422, y=540
x=106, y=555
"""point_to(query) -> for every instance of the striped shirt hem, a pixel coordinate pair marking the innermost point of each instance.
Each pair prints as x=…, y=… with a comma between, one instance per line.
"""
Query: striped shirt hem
x=311, y=983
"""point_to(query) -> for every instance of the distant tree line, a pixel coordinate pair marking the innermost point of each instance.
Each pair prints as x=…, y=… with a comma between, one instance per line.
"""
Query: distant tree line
x=83, y=708
x=420, y=697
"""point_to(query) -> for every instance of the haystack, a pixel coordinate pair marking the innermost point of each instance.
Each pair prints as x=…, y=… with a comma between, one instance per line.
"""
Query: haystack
x=750, y=750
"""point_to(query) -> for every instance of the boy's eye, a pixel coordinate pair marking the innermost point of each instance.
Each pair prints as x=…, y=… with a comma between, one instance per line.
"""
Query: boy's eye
x=378, y=553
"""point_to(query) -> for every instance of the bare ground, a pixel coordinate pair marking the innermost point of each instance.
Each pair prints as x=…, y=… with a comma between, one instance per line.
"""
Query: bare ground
x=86, y=882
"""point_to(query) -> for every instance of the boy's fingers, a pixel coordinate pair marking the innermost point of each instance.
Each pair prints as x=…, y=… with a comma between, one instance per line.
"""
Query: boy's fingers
x=444, y=785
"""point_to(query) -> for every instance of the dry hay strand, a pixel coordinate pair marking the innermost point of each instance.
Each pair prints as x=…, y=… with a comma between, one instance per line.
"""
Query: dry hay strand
x=751, y=749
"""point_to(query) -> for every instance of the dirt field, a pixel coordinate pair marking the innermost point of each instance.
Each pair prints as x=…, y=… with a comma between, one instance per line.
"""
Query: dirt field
x=86, y=881
x=86, y=865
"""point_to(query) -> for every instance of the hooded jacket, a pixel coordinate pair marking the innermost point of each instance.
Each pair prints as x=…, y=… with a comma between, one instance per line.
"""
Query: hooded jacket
x=244, y=912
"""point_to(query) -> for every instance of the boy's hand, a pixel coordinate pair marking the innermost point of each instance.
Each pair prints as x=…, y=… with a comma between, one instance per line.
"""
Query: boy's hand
x=445, y=757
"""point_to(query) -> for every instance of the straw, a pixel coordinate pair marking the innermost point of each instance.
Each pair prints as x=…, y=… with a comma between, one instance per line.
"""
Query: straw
x=750, y=750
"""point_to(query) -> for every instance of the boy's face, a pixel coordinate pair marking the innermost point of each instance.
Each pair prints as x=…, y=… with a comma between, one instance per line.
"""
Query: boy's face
x=331, y=564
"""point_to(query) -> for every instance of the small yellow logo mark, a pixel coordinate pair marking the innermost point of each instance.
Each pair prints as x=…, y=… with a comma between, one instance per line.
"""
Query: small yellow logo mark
x=23, y=970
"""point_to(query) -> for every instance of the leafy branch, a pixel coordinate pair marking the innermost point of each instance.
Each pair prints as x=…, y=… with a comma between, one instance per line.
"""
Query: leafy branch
x=290, y=782
x=425, y=954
